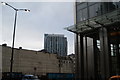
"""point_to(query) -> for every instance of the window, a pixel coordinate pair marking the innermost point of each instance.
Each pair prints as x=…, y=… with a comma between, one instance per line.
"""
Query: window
x=94, y=10
x=118, y=4
x=81, y=6
x=119, y=48
x=79, y=16
x=98, y=44
x=111, y=49
x=84, y=14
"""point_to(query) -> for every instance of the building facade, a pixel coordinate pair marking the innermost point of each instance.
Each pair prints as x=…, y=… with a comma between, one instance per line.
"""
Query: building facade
x=72, y=57
x=55, y=43
x=97, y=43
x=34, y=62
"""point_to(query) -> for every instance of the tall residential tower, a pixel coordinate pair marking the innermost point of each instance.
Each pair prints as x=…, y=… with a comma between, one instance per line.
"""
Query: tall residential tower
x=55, y=43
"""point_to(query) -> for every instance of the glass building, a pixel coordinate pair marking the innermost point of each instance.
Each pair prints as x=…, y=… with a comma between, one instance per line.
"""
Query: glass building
x=97, y=43
x=55, y=43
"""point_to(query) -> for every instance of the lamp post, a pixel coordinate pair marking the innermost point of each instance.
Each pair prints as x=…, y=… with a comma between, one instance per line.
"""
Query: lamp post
x=14, y=28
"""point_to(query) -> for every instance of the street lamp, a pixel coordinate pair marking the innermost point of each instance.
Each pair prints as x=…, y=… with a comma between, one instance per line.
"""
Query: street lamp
x=16, y=10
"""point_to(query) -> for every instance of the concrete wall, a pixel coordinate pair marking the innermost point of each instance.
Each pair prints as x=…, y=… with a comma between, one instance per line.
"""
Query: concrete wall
x=34, y=62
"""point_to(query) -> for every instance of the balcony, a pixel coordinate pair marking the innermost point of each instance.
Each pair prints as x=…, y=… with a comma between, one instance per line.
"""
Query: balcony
x=96, y=22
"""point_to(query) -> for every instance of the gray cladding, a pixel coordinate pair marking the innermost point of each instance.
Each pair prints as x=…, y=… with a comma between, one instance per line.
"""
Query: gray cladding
x=55, y=43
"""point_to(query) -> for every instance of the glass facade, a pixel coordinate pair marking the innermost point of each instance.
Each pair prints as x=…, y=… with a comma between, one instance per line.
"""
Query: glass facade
x=97, y=42
x=97, y=50
x=114, y=49
x=92, y=9
x=55, y=43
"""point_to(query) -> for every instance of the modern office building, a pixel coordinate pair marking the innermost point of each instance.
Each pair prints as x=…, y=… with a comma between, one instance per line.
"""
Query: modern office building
x=97, y=43
x=55, y=43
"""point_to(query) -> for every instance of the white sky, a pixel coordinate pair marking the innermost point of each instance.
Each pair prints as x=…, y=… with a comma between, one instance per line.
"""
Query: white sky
x=44, y=17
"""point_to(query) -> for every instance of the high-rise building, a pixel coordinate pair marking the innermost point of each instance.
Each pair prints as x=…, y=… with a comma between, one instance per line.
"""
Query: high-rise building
x=55, y=43
x=97, y=42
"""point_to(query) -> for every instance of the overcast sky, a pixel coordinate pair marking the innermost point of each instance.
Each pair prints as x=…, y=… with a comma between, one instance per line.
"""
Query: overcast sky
x=44, y=17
